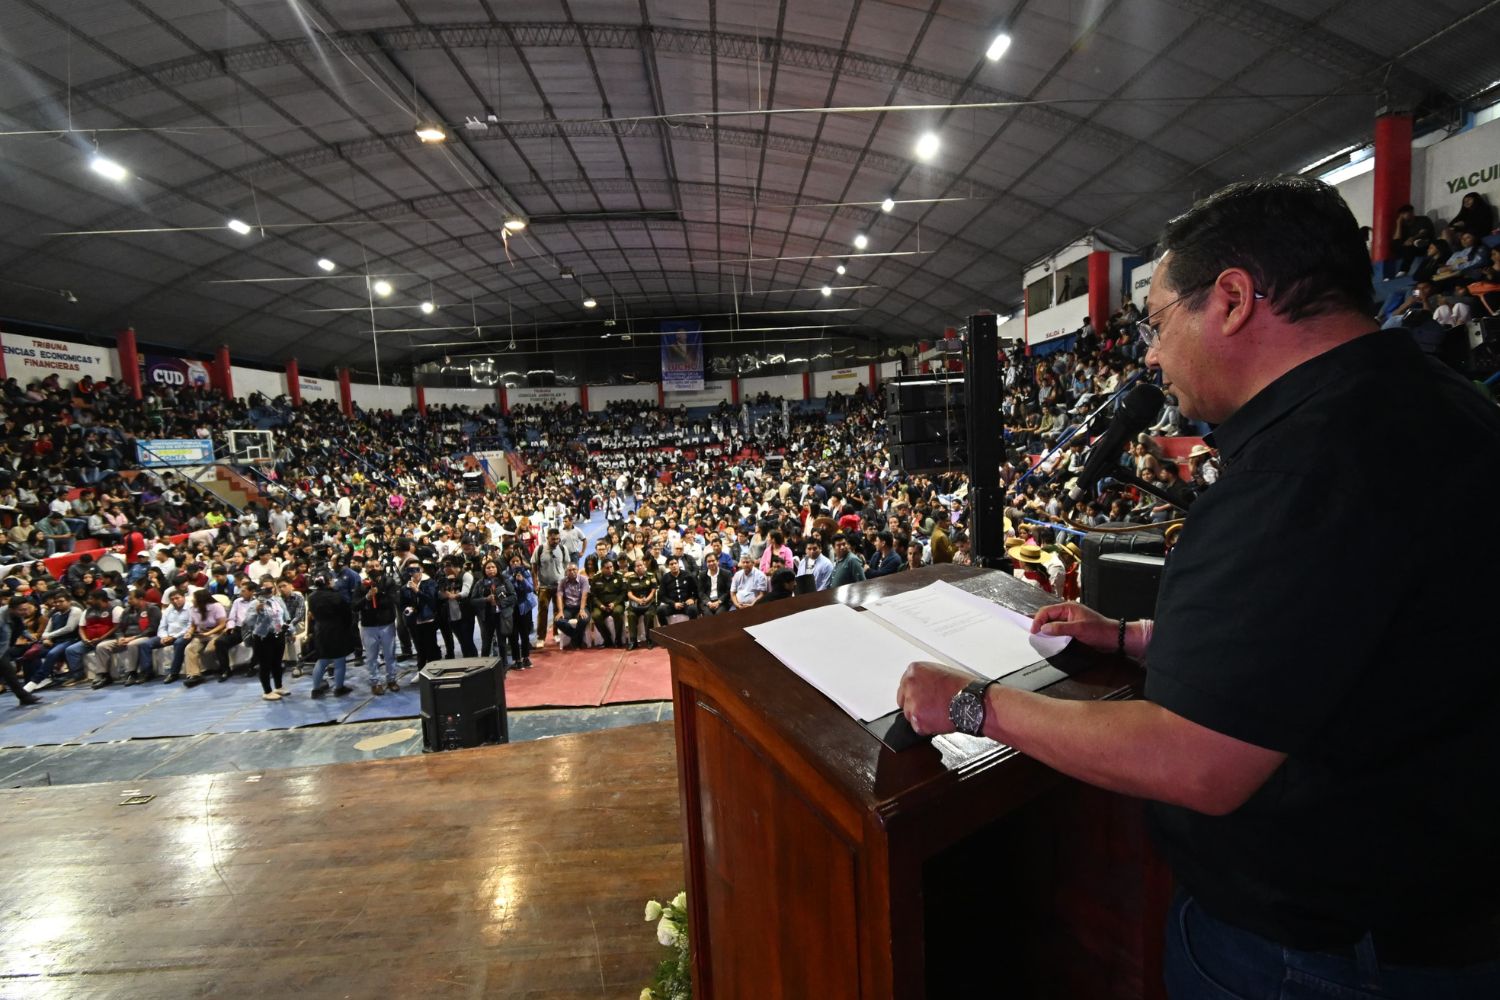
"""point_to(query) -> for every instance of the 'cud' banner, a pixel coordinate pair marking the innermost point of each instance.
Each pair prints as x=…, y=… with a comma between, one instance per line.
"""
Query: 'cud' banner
x=172, y=373
x=681, y=356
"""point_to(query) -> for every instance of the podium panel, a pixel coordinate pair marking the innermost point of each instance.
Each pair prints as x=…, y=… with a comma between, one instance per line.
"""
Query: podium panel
x=821, y=863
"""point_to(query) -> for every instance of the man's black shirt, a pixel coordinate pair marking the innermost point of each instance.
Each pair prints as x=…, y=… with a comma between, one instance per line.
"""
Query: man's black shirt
x=1285, y=621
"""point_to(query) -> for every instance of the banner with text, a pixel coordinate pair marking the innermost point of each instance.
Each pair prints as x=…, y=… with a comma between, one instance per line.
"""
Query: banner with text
x=550, y=396
x=172, y=373
x=681, y=356
x=175, y=451
x=31, y=359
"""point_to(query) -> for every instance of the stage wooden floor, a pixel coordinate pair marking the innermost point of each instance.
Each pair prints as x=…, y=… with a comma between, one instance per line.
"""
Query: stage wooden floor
x=518, y=871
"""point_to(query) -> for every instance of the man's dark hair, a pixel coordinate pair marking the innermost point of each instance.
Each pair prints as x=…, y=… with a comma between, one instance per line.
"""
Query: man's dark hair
x=1294, y=235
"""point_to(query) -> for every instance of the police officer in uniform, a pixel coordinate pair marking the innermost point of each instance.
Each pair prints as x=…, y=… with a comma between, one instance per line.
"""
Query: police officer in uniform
x=640, y=602
x=607, y=603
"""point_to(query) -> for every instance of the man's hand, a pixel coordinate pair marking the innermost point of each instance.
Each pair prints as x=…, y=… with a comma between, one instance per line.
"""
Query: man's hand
x=1084, y=624
x=924, y=693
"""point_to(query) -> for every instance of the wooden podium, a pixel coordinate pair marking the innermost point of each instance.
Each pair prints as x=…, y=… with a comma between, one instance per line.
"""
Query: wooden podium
x=822, y=864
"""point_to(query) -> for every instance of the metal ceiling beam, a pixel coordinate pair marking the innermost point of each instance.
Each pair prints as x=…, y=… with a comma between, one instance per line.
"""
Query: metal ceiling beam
x=683, y=41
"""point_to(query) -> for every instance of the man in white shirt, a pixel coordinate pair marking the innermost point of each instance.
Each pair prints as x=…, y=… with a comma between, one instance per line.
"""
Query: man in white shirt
x=749, y=584
x=816, y=565
x=263, y=566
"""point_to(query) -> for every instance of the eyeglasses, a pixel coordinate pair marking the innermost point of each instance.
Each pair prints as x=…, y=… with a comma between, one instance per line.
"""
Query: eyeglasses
x=1150, y=333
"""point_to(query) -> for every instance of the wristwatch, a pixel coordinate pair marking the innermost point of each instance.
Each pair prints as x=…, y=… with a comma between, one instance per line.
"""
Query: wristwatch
x=967, y=709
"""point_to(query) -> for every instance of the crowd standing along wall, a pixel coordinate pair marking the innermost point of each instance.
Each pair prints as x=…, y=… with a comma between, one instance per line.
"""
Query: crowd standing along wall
x=601, y=396
x=252, y=380
x=382, y=397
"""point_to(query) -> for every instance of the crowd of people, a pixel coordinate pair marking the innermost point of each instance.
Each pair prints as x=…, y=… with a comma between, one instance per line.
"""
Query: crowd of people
x=369, y=542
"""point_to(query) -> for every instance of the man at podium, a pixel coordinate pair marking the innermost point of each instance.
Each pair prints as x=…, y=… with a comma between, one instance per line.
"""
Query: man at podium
x=1320, y=761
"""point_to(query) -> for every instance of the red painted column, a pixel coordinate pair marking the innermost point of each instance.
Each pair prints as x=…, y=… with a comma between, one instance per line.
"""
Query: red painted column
x=923, y=346
x=734, y=391
x=504, y=400
x=130, y=361
x=1099, y=290
x=1392, y=180
x=421, y=400
x=346, y=393
x=872, y=378
x=225, y=369
x=807, y=385
x=293, y=382
x=661, y=395
x=583, y=397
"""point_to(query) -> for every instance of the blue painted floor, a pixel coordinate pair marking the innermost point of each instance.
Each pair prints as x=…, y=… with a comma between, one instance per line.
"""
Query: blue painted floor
x=253, y=752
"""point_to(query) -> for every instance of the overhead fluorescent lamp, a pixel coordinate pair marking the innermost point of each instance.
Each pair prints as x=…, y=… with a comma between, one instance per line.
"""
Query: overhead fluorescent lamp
x=827, y=291
x=927, y=146
x=589, y=302
x=861, y=241
x=841, y=269
x=242, y=228
x=515, y=223
x=1326, y=160
x=325, y=264
x=998, y=46
x=381, y=288
x=888, y=204
x=107, y=168
x=431, y=132
x=427, y=308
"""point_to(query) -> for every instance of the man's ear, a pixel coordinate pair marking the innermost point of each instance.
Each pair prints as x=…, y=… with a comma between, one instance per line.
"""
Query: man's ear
x=1234, y=300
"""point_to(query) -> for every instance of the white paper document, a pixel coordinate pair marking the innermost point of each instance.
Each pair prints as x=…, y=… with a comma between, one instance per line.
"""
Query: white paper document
x=853, y=660
x=857, y=658
x=985, y=637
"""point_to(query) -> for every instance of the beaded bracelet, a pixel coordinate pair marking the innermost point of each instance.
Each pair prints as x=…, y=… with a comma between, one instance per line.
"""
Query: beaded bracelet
x=1120, y=644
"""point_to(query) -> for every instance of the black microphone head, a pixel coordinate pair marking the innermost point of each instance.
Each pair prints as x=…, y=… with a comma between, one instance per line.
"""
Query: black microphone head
x=1141, y=405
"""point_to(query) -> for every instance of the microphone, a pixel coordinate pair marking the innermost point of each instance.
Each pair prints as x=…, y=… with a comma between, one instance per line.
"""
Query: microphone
x=1136, y=411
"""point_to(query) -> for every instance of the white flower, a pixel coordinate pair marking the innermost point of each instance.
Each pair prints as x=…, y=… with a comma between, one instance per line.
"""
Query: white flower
x=680, y=900
x=653, y=910
x=667, y=932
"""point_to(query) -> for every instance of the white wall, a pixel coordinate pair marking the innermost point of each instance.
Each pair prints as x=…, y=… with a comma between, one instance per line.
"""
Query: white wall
x=712, y=394
x=1140, y=283
x=382, y=397
x=473, y=399
x=601, y=396
x=1442, y=173
x=1469, y=161
x=784, y=386
x=891, y=369
x=843, y=381
x=31, y=359
x=251, y=380
x=317, y=388
x=551, y=395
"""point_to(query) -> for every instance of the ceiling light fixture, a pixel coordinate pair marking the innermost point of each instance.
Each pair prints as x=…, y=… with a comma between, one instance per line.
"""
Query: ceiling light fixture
x=515, y=223
x=566, y=272
x=382, y=288
x=827, y=291
x=927, y=146
x=888, y=204
x=861, y=241
x=431, y=132
x=105, y=167
x=327, y=265
x=240, y=227
x=841, y=269
x=428, y=308
x=589, y=302
x=998, y=46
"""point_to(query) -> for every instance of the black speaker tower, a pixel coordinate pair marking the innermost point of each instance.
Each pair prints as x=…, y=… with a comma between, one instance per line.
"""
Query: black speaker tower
x=982, y=387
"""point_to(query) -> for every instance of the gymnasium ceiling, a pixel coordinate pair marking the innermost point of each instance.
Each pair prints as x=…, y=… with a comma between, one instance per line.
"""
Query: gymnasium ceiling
x=621, y=134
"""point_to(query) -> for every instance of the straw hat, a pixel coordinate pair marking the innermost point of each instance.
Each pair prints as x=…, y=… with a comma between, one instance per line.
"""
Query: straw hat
x=1028, y=554
x=1199, y=450
x=1011, y=543
x=1073, y=550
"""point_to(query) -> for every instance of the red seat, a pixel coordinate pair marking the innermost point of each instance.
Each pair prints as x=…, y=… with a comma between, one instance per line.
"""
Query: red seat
x=86, y=544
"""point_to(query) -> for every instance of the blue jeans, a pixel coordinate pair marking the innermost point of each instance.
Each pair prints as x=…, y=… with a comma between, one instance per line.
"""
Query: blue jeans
x=380, y=642
x=1207, y=959
x=47, y=665
x=339, y=663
